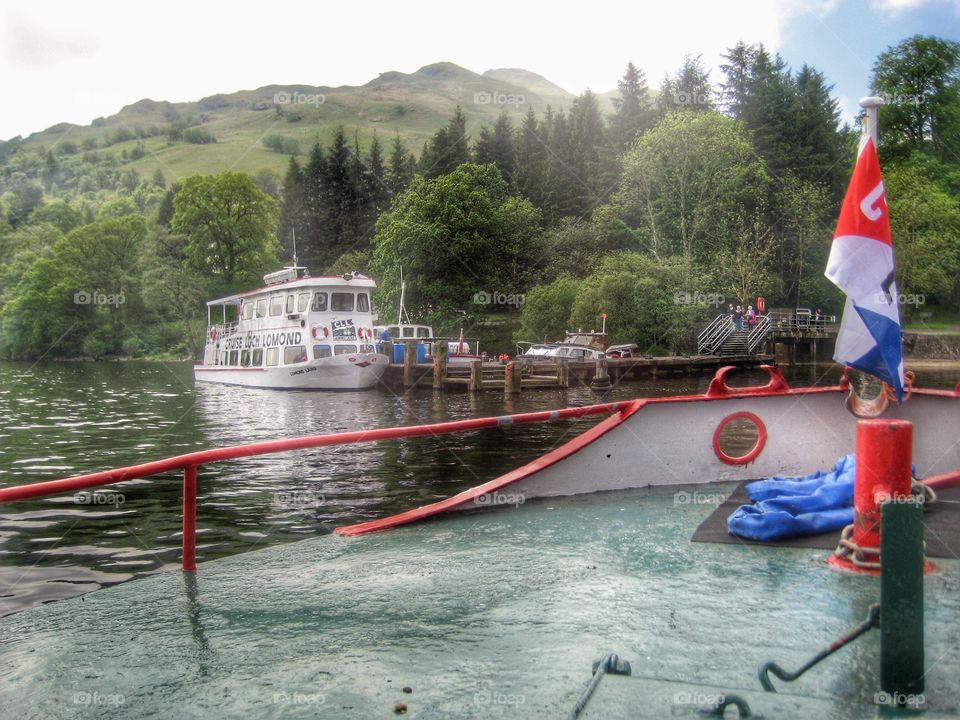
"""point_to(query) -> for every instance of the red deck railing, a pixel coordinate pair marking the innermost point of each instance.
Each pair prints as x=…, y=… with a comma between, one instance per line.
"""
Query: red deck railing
x=190, y=462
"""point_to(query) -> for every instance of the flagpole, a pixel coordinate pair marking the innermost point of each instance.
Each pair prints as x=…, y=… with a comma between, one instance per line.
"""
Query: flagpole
x=870, y=122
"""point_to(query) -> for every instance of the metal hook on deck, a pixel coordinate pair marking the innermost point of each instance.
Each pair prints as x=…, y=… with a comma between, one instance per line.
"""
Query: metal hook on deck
x=872, y=621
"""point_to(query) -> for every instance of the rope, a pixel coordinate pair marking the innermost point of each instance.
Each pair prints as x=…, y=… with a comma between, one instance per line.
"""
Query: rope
x=609, y=663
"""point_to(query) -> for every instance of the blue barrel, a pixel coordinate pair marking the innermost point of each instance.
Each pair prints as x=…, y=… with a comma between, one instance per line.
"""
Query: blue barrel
x=398, y=353
x=422, y=353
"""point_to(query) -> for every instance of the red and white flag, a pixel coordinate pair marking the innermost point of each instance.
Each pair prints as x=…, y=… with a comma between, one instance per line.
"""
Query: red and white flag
x=861, y=264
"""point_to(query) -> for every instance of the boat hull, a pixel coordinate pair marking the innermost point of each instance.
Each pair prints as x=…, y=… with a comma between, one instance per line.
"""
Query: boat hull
x=674, y=441
x=356, y=371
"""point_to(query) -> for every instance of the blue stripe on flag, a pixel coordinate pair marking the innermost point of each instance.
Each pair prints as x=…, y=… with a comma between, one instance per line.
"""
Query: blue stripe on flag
x=885, y=357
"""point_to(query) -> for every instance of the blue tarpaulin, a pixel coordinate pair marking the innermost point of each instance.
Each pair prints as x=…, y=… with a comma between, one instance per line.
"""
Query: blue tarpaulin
x=784, y=507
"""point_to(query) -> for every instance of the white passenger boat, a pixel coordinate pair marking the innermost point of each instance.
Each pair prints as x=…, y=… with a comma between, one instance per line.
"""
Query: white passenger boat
x=296, y=333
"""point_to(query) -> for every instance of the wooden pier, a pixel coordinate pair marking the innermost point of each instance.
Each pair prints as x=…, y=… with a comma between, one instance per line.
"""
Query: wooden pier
x=526, y=374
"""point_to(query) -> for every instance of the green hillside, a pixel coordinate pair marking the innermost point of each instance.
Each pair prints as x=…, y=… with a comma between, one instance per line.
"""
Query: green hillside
x=413, y=105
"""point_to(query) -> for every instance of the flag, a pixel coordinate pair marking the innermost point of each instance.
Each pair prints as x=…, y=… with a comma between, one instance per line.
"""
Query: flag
x=861, y=264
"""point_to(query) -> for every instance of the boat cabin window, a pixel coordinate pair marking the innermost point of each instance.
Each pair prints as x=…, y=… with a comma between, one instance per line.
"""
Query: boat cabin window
x=276, y=305
x=273, y=356
x=394, y=332
x=233, y=357
x=408, y=332
x=244, y=358
x=321, y=351
x=247, y=313
x=423, y=332
x=262, y=308
x=363, y=302
x=319, y=302
x=257, y=359
x=341, y=302
x=303, y=301
x=344, y=349
x=294, y=354
x=223, y=358
x=289, y=304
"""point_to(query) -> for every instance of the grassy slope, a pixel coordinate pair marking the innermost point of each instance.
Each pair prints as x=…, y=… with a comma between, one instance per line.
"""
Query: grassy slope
x=412, y=105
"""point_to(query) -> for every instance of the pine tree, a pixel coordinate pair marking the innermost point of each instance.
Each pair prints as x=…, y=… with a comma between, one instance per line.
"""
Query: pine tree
x=294, y=211
x=631, y=110
x=447, y=149
x=377, y=190
x=401, y=167
x=497, y=147
x=530, y=178
x=734, y=92
x=315, y=202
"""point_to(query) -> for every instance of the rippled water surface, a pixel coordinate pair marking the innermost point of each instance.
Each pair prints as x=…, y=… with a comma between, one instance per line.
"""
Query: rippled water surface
x=62, y=419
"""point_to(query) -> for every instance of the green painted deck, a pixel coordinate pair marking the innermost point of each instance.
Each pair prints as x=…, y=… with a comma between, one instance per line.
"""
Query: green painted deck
x=487, y=615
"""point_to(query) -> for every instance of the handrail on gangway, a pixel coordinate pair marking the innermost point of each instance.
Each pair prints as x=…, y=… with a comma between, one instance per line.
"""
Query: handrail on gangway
x=190, y=462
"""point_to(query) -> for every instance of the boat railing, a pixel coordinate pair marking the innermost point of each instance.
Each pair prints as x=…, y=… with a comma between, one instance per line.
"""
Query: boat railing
x=190, y=463
x=714, y=334
x=224, y=329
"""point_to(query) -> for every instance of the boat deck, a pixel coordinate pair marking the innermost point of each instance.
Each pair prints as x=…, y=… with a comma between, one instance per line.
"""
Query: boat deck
x=488, y=614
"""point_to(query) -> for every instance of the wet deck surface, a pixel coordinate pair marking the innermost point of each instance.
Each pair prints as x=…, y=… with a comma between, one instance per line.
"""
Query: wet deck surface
x=486, y=615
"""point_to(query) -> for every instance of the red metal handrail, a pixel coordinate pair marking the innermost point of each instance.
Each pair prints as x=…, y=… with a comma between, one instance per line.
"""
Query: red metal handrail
x=190, y=462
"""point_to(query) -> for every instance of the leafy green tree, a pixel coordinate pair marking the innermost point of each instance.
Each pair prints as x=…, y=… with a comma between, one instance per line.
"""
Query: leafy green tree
x=231, y=226
x=920, y=79
x=642, y=299
x=58, y=213
x=456, y=235
x=689, y=185
x=925, y=226
x=546, y=310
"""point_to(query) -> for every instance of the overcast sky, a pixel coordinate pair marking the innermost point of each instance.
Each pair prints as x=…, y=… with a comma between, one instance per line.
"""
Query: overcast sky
x=74, y=61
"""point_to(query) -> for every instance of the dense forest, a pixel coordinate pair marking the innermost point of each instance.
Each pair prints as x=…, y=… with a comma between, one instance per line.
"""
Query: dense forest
x=701, y=192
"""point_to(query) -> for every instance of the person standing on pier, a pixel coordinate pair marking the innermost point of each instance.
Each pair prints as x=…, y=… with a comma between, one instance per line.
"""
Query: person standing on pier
x=730, y=314
x=738, y=317
x=751, y=317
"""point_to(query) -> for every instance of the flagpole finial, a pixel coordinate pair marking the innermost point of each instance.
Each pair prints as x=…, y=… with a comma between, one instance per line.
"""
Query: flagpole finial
x=870, y=104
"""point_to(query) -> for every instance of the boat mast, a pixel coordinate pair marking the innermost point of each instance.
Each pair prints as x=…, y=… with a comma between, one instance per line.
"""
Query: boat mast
x=294, y=232
x=870, y=121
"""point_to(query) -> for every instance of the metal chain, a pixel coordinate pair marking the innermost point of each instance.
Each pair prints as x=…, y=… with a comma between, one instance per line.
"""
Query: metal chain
x=856, y=553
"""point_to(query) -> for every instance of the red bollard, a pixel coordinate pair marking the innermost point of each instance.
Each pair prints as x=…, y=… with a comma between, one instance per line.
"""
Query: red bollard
x=884, y=450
